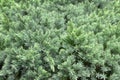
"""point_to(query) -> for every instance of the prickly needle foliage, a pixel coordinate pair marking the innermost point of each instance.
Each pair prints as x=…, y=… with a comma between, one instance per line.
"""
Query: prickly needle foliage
x=59, y=40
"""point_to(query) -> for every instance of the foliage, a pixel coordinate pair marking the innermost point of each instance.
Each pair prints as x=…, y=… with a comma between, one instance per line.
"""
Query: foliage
x=59, y=40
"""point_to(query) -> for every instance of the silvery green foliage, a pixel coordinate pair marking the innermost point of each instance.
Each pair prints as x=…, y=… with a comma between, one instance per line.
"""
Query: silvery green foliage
x=59, y=40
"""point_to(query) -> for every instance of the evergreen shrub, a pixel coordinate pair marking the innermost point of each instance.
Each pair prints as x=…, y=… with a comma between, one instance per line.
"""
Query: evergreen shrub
x=59, y=40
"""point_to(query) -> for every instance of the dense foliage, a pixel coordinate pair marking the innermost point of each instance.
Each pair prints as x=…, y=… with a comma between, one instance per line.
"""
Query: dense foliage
x=59, y=39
